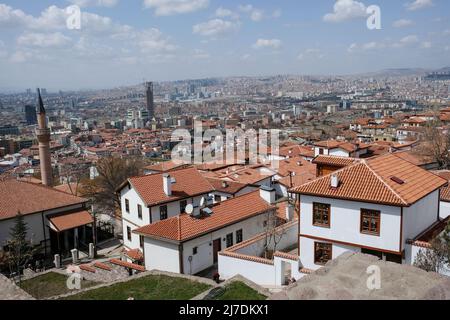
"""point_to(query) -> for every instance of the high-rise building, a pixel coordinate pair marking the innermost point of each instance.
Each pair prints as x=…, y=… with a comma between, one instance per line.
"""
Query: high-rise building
x=30, y=115
x=43, y=135
x=150, y=100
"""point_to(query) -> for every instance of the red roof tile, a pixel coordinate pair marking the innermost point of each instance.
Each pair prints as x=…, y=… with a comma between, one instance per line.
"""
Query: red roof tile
x=373, y=181
x=189, y=183
x=185, y=227
x=30, y=198
x=72, y=220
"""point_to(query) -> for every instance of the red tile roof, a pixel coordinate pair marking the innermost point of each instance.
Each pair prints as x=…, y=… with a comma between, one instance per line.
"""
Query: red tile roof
x=334, y=161
x=445, y=194
x=185, y=227
x=31, y=198
x=230, y=187
x=373, y=180
x=72, y=220
x=127, y=265
x=189, y=183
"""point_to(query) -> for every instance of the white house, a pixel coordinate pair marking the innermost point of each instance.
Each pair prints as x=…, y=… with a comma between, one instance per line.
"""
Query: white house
x=444, y=205
x=148, y=199
x=374, y=206
x=340, y=149
x=225, y=189
x=56, y=221
x=190, y=243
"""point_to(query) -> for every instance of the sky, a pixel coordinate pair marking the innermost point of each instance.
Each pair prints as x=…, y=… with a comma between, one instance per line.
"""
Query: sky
x=122, y=42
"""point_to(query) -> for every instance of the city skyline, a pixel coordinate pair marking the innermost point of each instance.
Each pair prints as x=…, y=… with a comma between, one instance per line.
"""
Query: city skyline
x=122, y=43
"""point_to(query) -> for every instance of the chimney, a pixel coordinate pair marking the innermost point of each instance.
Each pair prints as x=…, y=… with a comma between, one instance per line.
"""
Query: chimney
x=334, y=181
x=289, y=212
x=167, y=184
x=268, y=194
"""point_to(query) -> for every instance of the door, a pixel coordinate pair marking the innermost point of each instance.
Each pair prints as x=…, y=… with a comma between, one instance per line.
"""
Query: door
x=217, y=246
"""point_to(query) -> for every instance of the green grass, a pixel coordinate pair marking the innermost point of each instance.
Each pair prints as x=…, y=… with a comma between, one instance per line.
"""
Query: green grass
x=239, y=291
x=146, y=288
x=49, y=285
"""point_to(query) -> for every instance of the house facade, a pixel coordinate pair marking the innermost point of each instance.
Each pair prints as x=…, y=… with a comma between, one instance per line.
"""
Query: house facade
x=152, y=198
x=190, y=243
x=375, y=206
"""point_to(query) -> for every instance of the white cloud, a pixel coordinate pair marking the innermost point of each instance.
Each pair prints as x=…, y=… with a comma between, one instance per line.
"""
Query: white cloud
x=406, y=41
x=277, y=13
x=346, y=10
x=267, y=43
x=173, y=7
x=95, y=3
x=215, y=27
x=201, y=54
x=153, y=41
x=311, y=53
x=426, y=45
x=447, y=32
x=257, y=15
x=418, y=4
x=226, y=13
x=402, y=23
x=246, y=8
x=245, y=57
x=10, y=17
x=43, y=40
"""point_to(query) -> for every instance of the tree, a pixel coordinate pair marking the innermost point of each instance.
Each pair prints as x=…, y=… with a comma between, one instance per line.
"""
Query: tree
x=274, y=235
x=20, y=250
x=436, y=142
x=437, y=257
x=112, y=172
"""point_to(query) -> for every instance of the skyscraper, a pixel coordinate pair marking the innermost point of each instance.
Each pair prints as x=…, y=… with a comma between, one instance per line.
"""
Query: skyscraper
x=43, y=135
x=150, y=101
x=30, y=115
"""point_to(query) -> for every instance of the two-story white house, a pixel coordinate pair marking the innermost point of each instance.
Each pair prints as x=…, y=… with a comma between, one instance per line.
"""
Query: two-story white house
x=190, y=243
x=374, y=206
x=148, y=199
x=340, y=149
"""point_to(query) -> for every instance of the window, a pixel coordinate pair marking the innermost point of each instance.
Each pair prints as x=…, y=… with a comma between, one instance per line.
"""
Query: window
x=320, y=151
x=370, y=222
x=141, y=241
x=321, y=215
x=239, y=236
x=217, y=198
x=322, y=253
x=163, y=212
x=139, y=211
x=229, y=240
x=127, y=205
x=129, y=233
x=194, y=251
x=183, y=205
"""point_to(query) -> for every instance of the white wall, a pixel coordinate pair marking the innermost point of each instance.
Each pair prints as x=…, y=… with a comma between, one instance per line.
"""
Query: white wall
x=161, y=255
x=204, y=258
x=339, y=153
x=444, y=209
x=307, y=252
x=260, y=273
x=345, y=223
x=420, y=216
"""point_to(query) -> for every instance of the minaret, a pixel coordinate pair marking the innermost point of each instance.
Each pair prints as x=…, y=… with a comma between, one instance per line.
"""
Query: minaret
x=43, y=135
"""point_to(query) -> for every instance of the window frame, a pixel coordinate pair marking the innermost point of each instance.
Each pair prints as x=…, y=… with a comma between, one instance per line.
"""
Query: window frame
x=141, y=241
x=316, y=245
x=129, y=236
x=194, y=251
x=127, y=206
x=183, y=205
x=229, y=240
x=363, y=214
x=139, y=210
x=239, y=236
x=321, y=224
x=161, y=217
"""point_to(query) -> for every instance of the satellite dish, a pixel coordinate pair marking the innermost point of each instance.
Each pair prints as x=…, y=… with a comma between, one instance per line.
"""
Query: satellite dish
x=189, y=209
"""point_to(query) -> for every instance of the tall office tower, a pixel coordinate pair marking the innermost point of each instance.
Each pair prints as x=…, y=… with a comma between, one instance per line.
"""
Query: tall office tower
x=150, y=101
x=30, y=115
x=43, y=135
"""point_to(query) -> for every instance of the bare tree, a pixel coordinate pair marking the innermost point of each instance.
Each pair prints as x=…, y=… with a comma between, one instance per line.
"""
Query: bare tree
x=437, y=257
x=113, y=171
x=436, y=142
x=274, y=235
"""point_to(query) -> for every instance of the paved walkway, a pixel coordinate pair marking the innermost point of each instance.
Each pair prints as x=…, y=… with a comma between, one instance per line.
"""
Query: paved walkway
x=10, y=291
